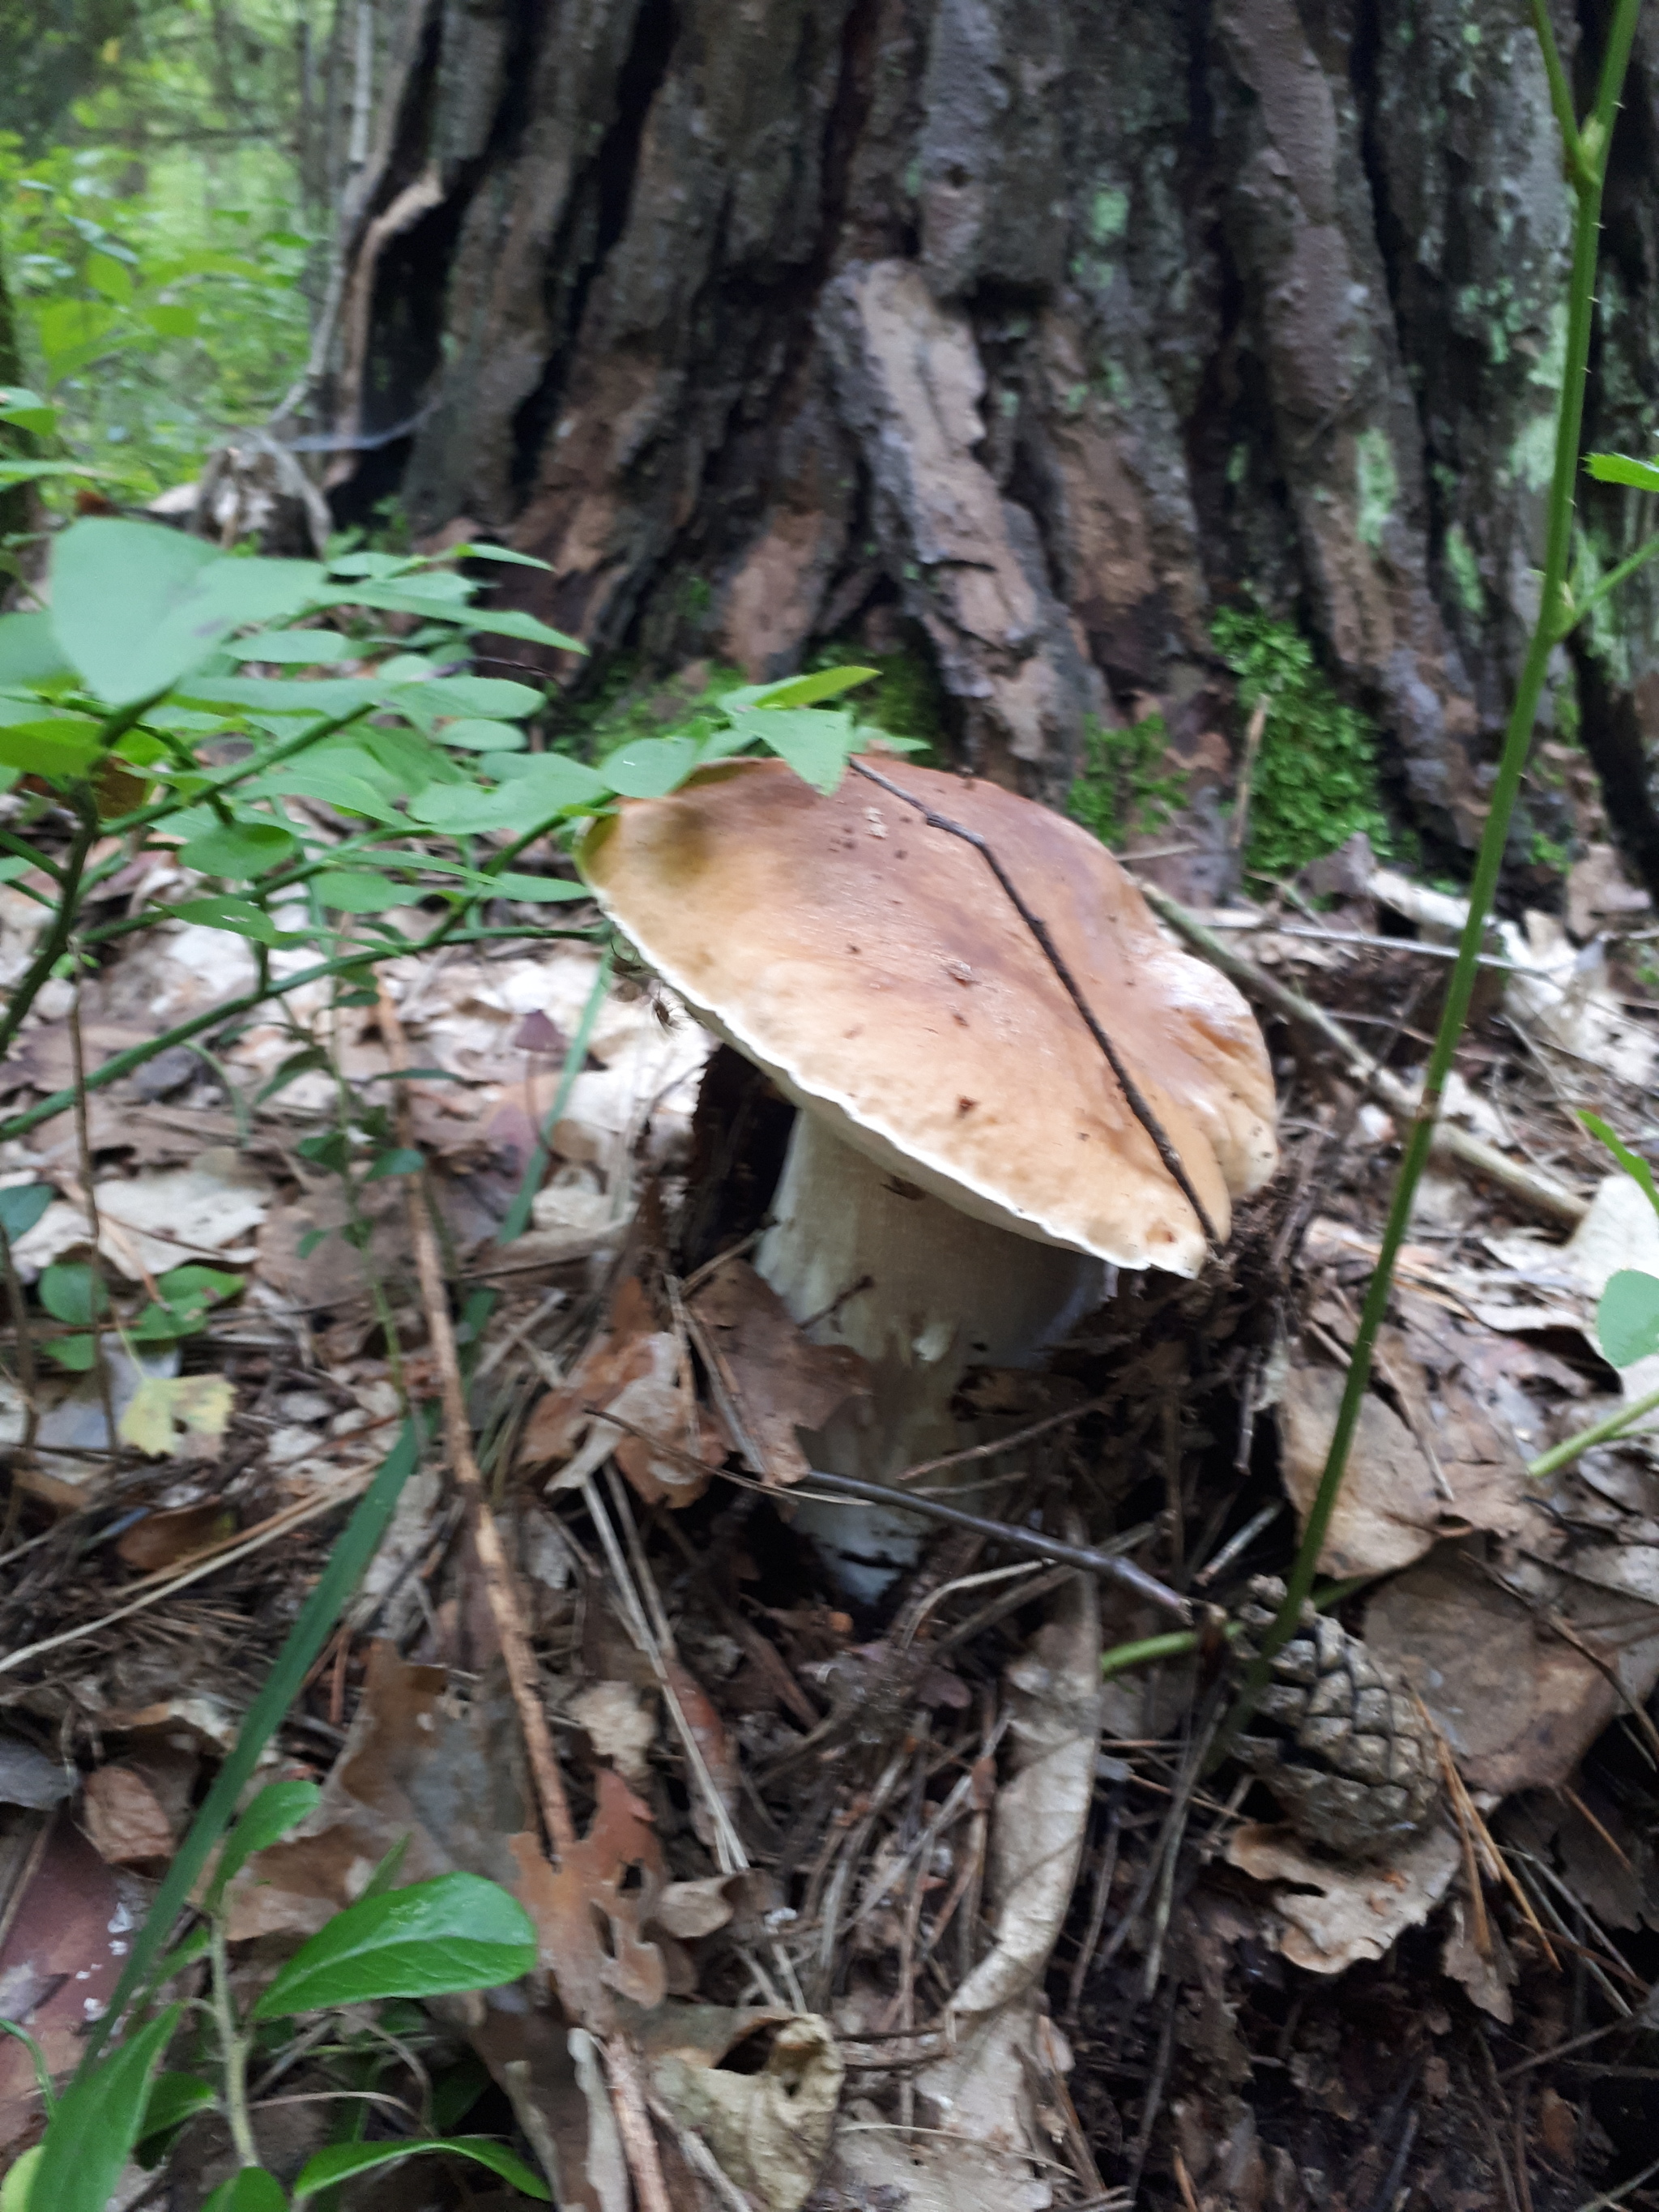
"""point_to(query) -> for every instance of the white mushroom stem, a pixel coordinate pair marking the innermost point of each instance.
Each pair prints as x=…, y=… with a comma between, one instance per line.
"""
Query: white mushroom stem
x=859, y=1256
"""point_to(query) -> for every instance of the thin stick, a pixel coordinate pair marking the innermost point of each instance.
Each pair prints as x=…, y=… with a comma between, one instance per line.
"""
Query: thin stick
x=1007, y=1443
x=1542, y=1193
x=1023, y=1540
x=1133, y=1097
x=99, y=1297
x=501, y=1591
x=1258, y=723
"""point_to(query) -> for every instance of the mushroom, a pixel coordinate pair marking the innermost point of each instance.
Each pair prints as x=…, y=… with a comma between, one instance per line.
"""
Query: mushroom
x=967, y=1159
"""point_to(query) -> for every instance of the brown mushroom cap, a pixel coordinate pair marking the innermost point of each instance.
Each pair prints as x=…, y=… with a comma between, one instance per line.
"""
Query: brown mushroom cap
x=874, y=969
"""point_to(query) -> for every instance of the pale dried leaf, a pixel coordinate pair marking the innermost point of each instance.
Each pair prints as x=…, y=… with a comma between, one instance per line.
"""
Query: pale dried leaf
x=769, y=2129
x=202, y=1404
x=1336, y=1915
x=1042, y=1810
x=620, y=1726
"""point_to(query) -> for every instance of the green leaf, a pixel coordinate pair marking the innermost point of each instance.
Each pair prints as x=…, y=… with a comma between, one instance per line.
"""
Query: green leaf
x=402, y=1161
x=113, y=278
x=295, y=648
x=21, y=1206
x=77, y=1353
x=17, y=2190
x=373, y=564
x=798, y=690
x=316, y=698
x=47, y=2094
x=61, y=746
x=135, y=606
x=492, y=697
x=325, y=2167
x=12, y=473
x=560, y=780
x=542, y=890
x=347, y=780
x=481, y=736
x=649, y=767
x=474, y=551
x=193, y=1280
x=464, y=810
x=70, y=1291
x=278, y=1807
x=510, y=622
x=239, y=915
x=1627, y=1319
x=239, y=850
x=355, y=890
x=171, y=319
x=437, y=1938
x=1620, y=469
x=26, y=411
x=815, y=744
x=29, y=652
x=1632, y=1163
x=253, y=2189
x=174, y=2098
x=96, y=2123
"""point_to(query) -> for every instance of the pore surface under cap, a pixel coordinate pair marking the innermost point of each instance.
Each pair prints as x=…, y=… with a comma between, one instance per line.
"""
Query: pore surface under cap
x=873, y=966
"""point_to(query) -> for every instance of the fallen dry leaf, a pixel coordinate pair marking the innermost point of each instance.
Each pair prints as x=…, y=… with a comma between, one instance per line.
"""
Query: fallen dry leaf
x=1517, y=1704
x=1041, y=1811
x=160, y=1540
x=1389, y=1511
x=634, y=1369
x=590, y=1887
x=410, y=1768
x=1336, y=1914
x=124, y=1818
x=201, y=1405
x=769, y=2126
x=620, y=1725
x=781, y=1380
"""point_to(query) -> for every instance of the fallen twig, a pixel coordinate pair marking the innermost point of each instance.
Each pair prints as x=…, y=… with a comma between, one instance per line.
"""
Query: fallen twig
x=1540, y=1192
x=501, y=1591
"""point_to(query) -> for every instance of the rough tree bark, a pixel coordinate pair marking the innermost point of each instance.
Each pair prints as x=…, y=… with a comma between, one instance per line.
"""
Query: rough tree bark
x=1035, y=331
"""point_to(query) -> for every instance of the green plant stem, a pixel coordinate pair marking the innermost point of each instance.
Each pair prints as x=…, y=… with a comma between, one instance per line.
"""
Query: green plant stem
x=350, y=1555
x=1569, y=1448
x=1610, y=582
x=1588, y=152
x=233, y=2051
x=123, y=1063
x=29, y=985
x=11, y=842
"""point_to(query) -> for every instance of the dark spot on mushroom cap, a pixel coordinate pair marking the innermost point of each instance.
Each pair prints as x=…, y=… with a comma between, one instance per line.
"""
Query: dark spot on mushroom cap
x=966, y=1105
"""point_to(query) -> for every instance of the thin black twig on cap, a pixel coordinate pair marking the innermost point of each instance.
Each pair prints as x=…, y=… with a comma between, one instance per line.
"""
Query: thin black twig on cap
x=1133, y=1095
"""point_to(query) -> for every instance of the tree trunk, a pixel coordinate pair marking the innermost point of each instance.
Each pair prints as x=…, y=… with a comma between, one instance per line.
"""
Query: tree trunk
x=1035, y=331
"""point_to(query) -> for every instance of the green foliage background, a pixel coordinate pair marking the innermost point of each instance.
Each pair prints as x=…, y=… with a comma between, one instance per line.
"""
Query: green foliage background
x=153, y=229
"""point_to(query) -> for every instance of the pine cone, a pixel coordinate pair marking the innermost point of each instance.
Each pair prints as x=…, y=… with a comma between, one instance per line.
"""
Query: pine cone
x=1348, y=1756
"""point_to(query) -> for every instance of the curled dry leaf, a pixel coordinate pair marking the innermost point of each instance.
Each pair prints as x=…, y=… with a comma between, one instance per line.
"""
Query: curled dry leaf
x=124, y=1818
x=769, y=2126
x=637, y=1370
x=1042, y=1810
x=1335, y=1915
x=588, y=1888
x=781, y=1380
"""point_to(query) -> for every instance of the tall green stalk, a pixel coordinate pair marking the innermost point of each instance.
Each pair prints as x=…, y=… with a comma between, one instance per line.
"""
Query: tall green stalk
x=1586, y=147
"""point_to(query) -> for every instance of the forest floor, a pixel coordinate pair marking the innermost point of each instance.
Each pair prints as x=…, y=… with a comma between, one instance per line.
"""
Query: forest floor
x=807, y=1831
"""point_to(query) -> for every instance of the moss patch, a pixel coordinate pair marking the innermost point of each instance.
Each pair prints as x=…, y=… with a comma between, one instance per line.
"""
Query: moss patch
x=1316, y=775
x=1124, y=789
